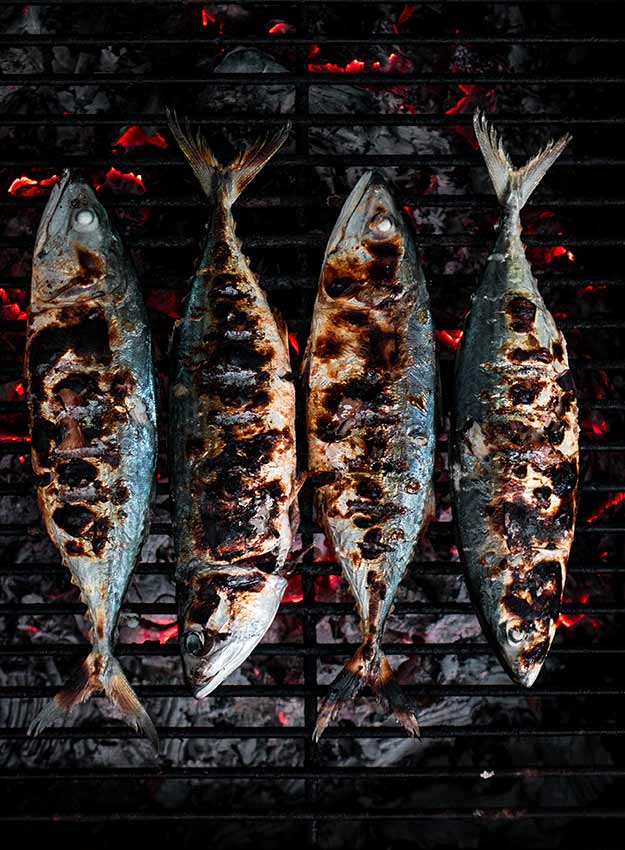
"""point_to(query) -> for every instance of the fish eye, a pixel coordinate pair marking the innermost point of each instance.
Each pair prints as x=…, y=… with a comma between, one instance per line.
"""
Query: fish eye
x=516, y=634
x=381, y=224
x=194, y=642
x=85, y=220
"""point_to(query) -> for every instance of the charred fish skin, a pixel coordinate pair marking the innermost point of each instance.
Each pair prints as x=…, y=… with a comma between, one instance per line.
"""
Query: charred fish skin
x=93, y=424
x=515, y=451
x=232, y=438
x=371, y=420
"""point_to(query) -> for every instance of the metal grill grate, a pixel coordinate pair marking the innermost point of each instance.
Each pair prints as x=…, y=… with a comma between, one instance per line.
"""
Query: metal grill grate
x=587, y=194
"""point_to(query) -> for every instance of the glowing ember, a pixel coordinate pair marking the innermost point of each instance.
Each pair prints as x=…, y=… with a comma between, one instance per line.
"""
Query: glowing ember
x=610, y=503
x=594, y=425
x=118, y=181
x=293, y=342
x=450, y=339
x=22, y=458
x=167, y=634
x=166, y=301
x=208, y=19
x=28, y=187
x=473, y=96
x=282, y=719
x=294, y=592
x=570, y=620
x=134, y=137
x=281, y=28
x=558, y=251
x=404, y=16
x=353, y=67
x=14, y=438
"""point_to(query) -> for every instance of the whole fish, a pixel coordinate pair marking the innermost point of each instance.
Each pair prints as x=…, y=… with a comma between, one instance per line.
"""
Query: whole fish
x=371, y=431
x=515, y=437
x=93, y=424
x=232, y=407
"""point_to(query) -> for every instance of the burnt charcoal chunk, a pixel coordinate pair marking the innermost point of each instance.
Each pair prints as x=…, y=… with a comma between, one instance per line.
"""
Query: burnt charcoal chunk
x=73, y=519
x=522, y=313
x=77, y=473
x=368, y=488
x=338, y=287
x=563, y=478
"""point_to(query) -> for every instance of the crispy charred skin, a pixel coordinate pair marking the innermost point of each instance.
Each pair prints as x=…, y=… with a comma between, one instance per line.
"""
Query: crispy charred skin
x=371, y=416
x=515, y=457
x=233, y=449
x=92, y=415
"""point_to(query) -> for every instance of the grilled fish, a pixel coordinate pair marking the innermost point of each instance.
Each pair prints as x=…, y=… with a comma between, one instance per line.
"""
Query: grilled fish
x=232, y=438
x=515, y=437
x=371, y=431
x=93, y=424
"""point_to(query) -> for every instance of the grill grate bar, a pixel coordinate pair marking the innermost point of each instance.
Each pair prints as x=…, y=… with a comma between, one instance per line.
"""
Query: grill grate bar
x=306, y=609
x=299, y=732
x=528, y=772
x=325, y=79
x=297, y=650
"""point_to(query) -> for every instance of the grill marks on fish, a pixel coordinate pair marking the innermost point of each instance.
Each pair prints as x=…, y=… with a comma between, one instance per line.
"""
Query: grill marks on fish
x=92, y=416
x=515, y=437
x=233, y=370
x=79, y=398
x=370, y=421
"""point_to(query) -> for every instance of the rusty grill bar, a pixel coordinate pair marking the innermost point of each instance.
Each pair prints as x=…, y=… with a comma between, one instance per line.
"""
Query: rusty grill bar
x=316, y=811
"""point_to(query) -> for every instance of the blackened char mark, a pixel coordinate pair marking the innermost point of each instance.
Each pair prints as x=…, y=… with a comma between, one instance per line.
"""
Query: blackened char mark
x=537, y=594
x=77, y=473
x=522, y=313
x=81, y=330
x=522, y=355
x=91, y=267
x=372, y=546
x=207, y=590
x=524, y=392
x=563, y=477
x=73, y=519
x=391, y=249
x=99, y=534
x=536, y=654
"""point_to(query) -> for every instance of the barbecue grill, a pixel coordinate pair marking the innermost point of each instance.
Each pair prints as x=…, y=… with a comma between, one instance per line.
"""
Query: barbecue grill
x=365, y=84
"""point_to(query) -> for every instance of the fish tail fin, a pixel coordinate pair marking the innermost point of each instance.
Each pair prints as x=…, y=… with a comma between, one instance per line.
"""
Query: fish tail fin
x=97, y=674
x=368, y=666
x=508, y=181
x=236, y=175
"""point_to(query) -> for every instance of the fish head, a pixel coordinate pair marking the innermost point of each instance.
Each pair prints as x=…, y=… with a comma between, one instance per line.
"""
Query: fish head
x=526, y=619
x=75, y=244
x=366, y=245
x=224, y=613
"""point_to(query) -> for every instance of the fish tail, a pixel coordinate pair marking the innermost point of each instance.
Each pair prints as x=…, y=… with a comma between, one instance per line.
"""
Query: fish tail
x=97, y=674
x=368, y=666
x=510, y=183
x=239, y=173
